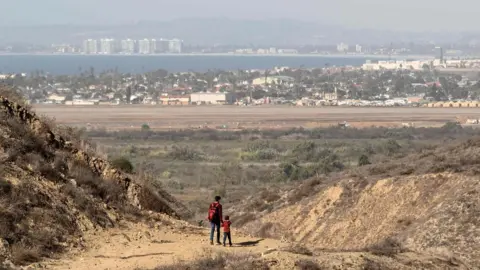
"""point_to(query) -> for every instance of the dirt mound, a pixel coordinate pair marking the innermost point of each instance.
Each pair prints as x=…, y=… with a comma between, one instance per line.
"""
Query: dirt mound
x=52, y=190
x=432, y=210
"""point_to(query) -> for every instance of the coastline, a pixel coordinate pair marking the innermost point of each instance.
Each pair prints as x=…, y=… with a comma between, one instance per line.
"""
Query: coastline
x=371, y=56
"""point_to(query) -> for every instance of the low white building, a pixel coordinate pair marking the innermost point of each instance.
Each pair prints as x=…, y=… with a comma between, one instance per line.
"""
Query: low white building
x=212, y=98
x=82, y=102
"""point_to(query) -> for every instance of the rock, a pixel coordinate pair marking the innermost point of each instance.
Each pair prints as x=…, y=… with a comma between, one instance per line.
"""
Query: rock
x=73, y=182
x=8, y=265
x=4, y=249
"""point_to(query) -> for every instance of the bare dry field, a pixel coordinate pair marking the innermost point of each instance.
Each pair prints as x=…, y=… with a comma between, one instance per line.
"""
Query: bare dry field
x=232, y=117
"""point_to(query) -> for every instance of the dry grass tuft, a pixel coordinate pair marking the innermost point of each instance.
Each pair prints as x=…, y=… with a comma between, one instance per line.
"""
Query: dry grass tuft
x=298, y=249
x=220, y=261
x=388, y=247
x=307, y=265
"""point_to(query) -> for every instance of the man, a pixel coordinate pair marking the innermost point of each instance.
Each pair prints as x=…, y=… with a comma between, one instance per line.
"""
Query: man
x=216, y=218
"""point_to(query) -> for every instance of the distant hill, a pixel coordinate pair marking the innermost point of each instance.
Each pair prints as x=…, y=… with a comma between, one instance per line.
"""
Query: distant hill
x=200, y=31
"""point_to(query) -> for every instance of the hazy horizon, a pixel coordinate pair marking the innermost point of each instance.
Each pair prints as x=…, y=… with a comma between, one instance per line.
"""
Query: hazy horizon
x=407, y=15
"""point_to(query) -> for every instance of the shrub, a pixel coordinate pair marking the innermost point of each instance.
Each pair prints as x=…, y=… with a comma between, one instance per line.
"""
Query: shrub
x=391, y=147
x=260, y=146
x=5, y=187
x=298, y=249
x=220, y=261
x=106, y=190
x=243, y=219
x=452, y=127
x=22, y=255
x=258, y=155
x=167, y=174
x=307, y=265
x=307, y=188
x=145, y=127
x=123, y=164
x=363, y=160
x=264, y=230
x=13, y=95
x=388, y=247
x=372, y=265
x=184, y=153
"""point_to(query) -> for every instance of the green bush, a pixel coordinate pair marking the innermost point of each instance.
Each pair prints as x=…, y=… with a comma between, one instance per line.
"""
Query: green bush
x=184, y=153
x=259, y=155
x=259, y=146
x=392, y=147
x=363, y=160
x=123, y=164
x=145, y=127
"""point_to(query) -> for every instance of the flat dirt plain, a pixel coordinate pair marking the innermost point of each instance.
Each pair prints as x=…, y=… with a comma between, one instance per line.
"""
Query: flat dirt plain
x=262, y=117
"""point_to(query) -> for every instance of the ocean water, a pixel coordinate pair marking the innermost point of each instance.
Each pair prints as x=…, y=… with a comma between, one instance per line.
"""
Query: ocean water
x=74, y=64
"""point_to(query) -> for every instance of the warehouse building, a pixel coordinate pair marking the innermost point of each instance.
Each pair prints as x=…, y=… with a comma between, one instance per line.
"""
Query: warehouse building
x=173, y=99
x=212, y=98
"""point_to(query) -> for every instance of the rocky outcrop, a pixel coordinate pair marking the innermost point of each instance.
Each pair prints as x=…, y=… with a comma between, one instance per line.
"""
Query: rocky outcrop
x=146, y=198
x=4, y=250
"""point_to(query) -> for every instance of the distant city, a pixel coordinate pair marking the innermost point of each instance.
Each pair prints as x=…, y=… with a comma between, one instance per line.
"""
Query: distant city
x=231, y=36
x=126, y=46
x=151, y=46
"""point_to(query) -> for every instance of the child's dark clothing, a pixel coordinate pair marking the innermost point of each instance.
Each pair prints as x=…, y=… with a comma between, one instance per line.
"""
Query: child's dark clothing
x=226, y=232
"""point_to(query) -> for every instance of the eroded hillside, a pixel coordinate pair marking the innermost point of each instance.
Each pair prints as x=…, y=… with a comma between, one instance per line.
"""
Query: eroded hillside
x=52, y=190
x=426, y=203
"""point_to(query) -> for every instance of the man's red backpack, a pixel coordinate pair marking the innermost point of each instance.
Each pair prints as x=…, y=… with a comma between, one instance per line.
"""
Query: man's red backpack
x=213, y=211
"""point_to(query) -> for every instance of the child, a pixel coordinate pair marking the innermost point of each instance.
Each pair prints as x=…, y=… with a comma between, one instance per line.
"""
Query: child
x=226, y=230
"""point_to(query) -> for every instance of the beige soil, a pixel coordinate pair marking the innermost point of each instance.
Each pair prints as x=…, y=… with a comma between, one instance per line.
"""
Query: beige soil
x=140, y=246
x=137, y=246
x=163, y=117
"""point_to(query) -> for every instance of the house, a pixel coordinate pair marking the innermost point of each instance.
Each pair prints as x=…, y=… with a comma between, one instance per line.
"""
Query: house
x=57, y=99
x=330, y=96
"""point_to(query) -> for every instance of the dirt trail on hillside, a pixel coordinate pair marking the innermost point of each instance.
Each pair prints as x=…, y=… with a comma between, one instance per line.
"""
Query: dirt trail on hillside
x=137, y=246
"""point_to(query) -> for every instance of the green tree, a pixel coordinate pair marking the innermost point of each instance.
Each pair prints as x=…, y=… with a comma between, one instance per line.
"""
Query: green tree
x=128, y=94
x=267, y=73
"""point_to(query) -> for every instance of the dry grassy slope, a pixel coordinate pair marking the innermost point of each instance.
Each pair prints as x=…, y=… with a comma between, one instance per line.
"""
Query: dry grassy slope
x=145, y=198
x=51, y=192
x=432, y=212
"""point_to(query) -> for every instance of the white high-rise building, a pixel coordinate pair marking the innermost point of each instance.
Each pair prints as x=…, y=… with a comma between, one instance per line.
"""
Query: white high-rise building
x=108, y=46
x=175, y=46
x=163, y=45
x=144, y=46
x=128, y=46
x=90, y=46
x=342, y=47
x=358, y=48
x=154, y=46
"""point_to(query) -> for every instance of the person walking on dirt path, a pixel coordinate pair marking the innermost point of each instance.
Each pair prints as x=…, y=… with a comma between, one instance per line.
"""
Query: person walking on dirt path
x=226, y=230
x=216, y=219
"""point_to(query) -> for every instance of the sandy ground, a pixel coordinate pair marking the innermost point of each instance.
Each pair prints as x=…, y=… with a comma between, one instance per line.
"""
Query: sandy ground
x=158, y=117
x=139, y=247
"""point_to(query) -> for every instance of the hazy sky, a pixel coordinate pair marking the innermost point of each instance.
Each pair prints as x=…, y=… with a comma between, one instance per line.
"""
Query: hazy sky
x=383, y=14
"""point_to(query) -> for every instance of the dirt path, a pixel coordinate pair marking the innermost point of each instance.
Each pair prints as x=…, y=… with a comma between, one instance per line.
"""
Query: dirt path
x=139, y=247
